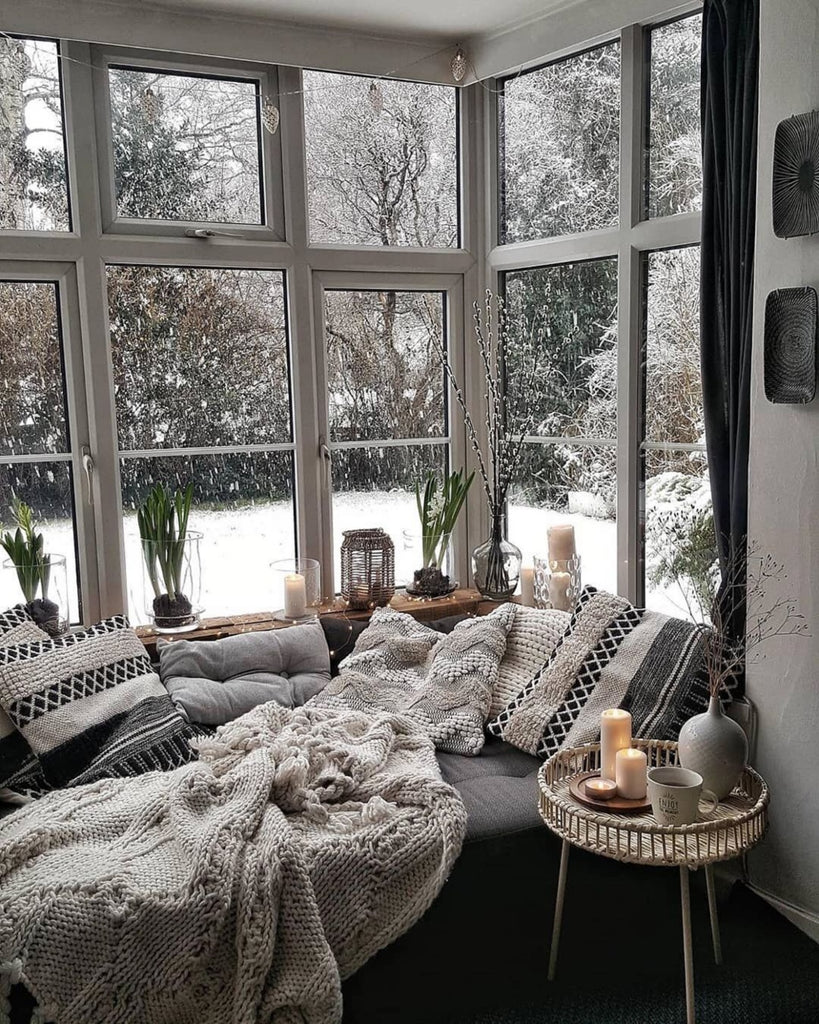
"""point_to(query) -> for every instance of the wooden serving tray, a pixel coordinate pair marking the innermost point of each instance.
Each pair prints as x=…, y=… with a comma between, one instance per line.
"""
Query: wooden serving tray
x=617, y=804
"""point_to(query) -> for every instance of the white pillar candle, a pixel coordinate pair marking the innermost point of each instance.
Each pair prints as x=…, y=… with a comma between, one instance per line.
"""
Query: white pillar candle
x=615, y=734
x=561, y=543
x=295, y=596
x=527, y=587
x=630, y=768
x=560, y=583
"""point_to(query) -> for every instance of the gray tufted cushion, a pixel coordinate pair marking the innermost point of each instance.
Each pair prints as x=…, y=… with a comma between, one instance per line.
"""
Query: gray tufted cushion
x=215, y=681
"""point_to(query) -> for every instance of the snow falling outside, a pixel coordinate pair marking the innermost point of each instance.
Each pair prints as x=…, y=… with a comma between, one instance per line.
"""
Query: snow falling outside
x=239, y=545
x=200, y=356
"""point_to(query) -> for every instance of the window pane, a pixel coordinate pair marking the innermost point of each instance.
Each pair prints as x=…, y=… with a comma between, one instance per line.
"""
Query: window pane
x=186, y=147
x=577, y=370
x=674, y=143
x=375, y=487
x=33, y=180
x=682, y=568
x=560, y=139
x=47, y=488
x=243, y=504
x=199, y=356
x=574, y=484
x=673, y=381
x=384, y=372
x=382, y=161
x=32, y=400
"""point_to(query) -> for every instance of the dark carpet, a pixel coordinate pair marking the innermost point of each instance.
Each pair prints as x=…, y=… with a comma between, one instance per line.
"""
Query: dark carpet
x=770, y=972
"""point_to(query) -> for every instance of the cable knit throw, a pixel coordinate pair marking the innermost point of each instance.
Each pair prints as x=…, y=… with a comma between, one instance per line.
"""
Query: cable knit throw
x=239, y=888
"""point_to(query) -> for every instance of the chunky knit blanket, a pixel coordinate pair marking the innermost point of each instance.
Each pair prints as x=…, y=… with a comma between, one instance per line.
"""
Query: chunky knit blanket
x=239, y=888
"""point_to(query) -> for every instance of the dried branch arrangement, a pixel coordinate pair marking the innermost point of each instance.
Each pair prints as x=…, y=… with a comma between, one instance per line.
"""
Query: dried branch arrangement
x=747, y=581
x=509, y=411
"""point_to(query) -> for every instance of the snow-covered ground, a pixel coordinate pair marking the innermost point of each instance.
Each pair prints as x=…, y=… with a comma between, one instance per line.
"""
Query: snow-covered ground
x=239, y=545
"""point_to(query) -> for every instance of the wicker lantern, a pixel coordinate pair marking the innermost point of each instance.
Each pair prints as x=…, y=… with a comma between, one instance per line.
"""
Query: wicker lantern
x=367, y=568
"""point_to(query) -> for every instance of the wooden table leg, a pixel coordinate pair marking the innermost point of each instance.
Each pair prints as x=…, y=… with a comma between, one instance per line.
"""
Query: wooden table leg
x=561, y=896
x=687, y=950
x=712, y=912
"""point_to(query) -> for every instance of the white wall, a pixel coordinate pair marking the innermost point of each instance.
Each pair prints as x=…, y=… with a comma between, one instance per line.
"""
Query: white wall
x=784, y=499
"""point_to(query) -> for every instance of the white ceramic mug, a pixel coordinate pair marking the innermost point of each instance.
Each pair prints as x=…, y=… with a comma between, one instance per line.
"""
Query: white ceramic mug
x=676, y=794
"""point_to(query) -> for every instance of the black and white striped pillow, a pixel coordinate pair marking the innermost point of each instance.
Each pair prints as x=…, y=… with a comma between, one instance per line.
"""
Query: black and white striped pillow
x=90, y=705
x=20, y=771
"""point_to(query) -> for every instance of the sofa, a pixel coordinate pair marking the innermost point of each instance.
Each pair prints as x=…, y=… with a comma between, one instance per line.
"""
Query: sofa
x=484, y=941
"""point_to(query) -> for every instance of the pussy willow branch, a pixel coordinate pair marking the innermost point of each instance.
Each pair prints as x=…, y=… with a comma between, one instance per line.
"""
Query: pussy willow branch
x=494, y=340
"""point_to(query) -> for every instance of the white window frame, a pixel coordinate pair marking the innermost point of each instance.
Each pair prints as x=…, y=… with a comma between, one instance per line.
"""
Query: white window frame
x=265, y=80
x=452, y=440
x=633, y=236
x=64, y=276
x=99, y=238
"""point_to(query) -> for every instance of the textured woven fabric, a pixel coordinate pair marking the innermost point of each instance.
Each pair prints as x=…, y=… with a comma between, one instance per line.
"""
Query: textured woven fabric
x=614, y=680
x=533, y=637
x=20, y=772
x=555, y=734
x=90, y=705
x=215, y=681
x=240, y=888
x=669, y=684
x=442, y=682
x=526, y=719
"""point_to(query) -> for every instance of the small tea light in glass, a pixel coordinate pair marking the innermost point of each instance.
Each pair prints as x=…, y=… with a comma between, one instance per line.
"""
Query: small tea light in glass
x=297, y=588
x=601, y=789
x=630, y=770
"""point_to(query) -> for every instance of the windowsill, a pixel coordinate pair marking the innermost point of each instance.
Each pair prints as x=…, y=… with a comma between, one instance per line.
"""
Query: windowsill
x=461, y=602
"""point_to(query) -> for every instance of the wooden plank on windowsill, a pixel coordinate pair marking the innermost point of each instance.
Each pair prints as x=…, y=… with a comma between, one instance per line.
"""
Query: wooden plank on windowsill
x=460, y=602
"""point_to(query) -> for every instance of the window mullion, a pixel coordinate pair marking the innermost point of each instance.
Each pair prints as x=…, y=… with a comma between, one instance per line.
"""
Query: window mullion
x=104, y=550
x=629, y=317
x=313, y=526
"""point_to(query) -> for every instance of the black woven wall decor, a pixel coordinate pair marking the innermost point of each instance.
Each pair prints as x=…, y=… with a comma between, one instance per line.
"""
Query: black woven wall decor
x=796, y=176
x=790, y=345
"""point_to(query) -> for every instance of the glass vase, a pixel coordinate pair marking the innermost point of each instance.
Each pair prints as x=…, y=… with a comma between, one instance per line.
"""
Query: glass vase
x=172, y=598
x=496, y=564
x=557, y=582
x=45, y=594
x=296, y=588
x=426, y=565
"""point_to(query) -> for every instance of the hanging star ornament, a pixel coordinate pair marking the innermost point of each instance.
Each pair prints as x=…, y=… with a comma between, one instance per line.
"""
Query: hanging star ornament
x=458, y=65
x=376, y=97
x=270, y=115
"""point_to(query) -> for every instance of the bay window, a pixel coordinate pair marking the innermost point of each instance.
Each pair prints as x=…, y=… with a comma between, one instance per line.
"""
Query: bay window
x=193, y=289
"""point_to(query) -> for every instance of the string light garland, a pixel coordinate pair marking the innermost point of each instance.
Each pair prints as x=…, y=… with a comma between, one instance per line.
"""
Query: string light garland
x=269, y=112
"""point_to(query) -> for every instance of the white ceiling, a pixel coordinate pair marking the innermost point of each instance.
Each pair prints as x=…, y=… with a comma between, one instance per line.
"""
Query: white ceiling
x=418, y=19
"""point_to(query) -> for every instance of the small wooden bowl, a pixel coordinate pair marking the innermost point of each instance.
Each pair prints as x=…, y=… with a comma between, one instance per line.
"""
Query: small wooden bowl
x=615, y=804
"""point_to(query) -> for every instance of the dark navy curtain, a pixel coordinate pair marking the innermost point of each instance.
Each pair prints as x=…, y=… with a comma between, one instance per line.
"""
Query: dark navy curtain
x=730, y=76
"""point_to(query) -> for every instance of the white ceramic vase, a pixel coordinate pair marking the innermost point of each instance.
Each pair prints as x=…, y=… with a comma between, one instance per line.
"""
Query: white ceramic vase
x=715, y=746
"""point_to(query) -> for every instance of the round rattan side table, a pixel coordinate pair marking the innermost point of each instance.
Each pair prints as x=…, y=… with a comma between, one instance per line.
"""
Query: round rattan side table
x=737, y=824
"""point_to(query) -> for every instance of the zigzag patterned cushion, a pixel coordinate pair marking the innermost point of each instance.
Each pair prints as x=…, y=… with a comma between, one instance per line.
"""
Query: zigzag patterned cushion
x=539, y=718
x=612, y=655
x=90, y=705
x=444, y=683
x=20, y=772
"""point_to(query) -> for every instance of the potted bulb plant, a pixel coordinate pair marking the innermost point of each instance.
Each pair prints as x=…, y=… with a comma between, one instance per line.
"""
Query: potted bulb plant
x=438, y=509
x=39, y=575
x=170, y=553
